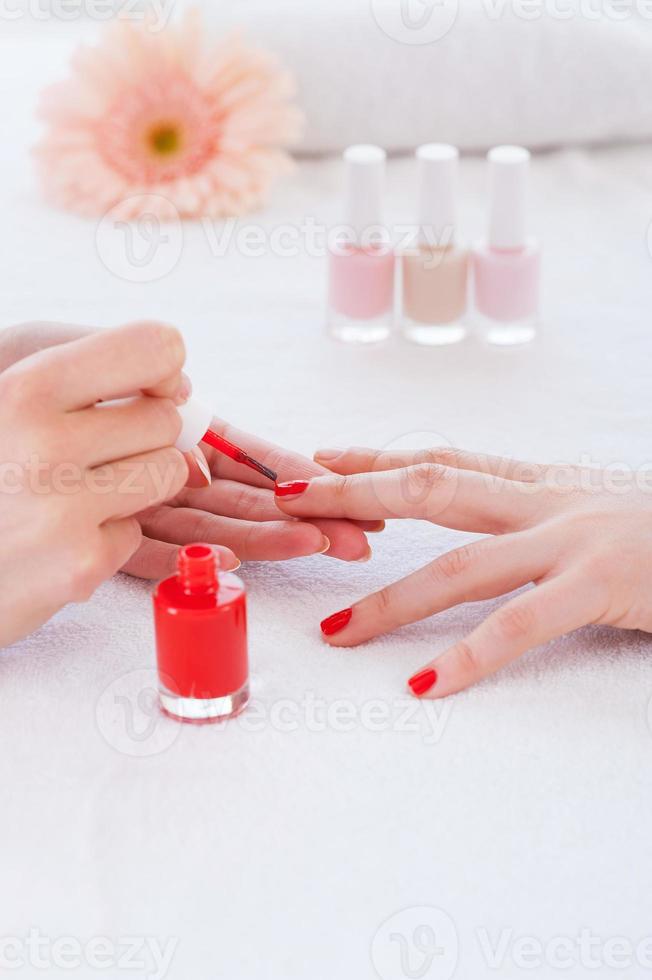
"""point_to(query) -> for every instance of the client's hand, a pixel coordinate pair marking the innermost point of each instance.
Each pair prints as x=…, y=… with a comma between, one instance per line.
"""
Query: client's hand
x=583, y=536
x=238, y=510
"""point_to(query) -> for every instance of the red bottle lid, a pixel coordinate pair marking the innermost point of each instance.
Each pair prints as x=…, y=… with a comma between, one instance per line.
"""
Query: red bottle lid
x=200, y=617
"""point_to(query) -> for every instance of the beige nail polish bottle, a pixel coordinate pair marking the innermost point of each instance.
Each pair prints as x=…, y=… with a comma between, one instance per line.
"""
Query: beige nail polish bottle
x=435, y=268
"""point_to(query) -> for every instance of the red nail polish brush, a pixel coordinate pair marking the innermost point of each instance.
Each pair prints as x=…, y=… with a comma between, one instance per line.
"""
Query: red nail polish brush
x=197, y=420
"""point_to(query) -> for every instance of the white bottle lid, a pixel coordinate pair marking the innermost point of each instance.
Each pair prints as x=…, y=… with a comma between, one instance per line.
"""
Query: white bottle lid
x=196, y=419
x=508, y=179
x=438, y=172
x=365, y=184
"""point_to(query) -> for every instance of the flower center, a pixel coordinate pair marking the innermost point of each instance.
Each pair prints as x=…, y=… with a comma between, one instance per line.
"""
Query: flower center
x=160, y=132
x=165, y=140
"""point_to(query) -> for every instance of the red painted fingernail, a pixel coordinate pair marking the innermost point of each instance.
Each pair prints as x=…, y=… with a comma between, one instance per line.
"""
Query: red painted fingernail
x=423, y=681
x=291, y=489
x=336, y=622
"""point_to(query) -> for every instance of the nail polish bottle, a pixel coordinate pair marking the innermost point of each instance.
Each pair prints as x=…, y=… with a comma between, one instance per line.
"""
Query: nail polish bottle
x=435, y=269
x=200, y=618
x=507, y=266
x=361, y=258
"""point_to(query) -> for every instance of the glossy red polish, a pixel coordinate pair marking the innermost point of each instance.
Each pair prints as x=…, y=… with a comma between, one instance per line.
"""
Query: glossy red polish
x=422, y=682
x=336, y=622
x=239, y=455
x=200, y=616
x=291, y=489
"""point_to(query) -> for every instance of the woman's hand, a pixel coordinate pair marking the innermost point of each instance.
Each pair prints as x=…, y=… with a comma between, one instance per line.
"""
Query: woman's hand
x=236, y=511
x=73, y=473
x=583, y=536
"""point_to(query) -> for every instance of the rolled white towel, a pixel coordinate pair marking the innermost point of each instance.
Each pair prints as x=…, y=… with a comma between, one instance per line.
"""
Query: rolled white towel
x=469, y=72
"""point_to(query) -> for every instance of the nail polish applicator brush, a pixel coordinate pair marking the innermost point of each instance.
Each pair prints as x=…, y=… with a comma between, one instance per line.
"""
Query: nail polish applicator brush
x=196, y=428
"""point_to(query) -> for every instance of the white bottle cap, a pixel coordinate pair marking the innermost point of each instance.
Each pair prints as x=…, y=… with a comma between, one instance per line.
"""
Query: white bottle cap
x=365, y=183
x=438, y=171
x=508, y=179
x=196, y=419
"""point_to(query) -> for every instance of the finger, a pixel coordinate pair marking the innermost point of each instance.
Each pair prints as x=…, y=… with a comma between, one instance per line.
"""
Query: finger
x=107, y=365
x=481, y=570
x=99, y=557
x=117, y=430
x=347, y=537
x=453, y=498
x=155, y=560
x=249, y=540
x=357, y=460
x=227, y=498
x=130, y=486
x=343, y=545
x=28, y=338
x=532, y=618
x=230, y=498
x=121, y=541
x=286, y=464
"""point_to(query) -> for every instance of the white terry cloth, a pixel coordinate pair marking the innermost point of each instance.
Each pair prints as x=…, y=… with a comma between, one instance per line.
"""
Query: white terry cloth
x=276, y=847
x=539, y=72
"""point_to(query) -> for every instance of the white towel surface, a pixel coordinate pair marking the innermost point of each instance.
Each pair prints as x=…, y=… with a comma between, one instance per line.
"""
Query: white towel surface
x=277, y=846
x=469, y=72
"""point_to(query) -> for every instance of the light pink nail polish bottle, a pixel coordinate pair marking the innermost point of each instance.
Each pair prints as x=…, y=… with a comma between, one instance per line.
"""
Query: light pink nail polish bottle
x=361, y=257
x=507, y=266
x=435, y=270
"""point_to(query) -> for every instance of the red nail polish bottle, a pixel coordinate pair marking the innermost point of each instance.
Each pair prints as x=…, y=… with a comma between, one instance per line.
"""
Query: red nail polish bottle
x=200, y=616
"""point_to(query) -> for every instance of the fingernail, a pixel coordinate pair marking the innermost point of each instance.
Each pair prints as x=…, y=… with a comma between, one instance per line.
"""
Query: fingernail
x=203, y=466
x=380, y=526
x=366, y=557
x=326, y=545
x=234, y=568
x=336, y=622
x=422, y=682
x=328, y=453
x=291, y=489
x=185, y=390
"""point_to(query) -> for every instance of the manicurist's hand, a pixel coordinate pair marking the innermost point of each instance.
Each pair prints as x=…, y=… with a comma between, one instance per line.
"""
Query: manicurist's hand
x=222, y=502
x=582, y=536
x=73, y=473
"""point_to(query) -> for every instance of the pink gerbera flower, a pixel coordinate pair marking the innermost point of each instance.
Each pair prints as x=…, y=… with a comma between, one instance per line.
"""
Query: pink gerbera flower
x=167, y=116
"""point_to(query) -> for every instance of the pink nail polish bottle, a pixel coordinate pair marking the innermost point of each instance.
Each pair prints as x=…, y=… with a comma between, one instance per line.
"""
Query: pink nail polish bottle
x=507, y=266
x=361, y=258
x=435, y=269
